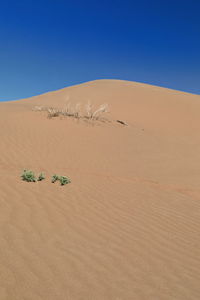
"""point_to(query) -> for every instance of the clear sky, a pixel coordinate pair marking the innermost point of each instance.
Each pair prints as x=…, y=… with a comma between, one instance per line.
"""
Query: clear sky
x=50, y=44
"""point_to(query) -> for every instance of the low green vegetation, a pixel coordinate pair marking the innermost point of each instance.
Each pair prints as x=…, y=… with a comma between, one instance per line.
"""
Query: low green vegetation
x=29, y=176
x=41, y=177
x=63, y=179
x=54, y=178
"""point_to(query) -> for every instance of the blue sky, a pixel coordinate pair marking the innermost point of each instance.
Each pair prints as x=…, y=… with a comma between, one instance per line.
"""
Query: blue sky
x=47, y=45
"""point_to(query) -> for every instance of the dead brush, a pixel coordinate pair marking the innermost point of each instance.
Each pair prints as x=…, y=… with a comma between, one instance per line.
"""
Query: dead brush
x=100, y=111
x=89, y=112
x=95, y=114
x=53, y=112
x=39, y=108
x=77, y=111
x=68, y=110
x=71, y=111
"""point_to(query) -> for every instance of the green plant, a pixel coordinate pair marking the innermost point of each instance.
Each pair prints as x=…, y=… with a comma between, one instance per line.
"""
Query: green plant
x=28, y=176
x=41, y=177
x=64, y=180
x=54, y=178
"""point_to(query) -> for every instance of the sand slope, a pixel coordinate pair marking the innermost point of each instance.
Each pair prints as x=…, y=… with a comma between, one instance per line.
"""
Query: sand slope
x=128, y=225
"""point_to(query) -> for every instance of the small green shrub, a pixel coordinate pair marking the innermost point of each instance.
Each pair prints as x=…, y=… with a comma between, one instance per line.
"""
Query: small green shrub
x=54, y=178
x=28, y=176
x=64, y=180
x=41, y=177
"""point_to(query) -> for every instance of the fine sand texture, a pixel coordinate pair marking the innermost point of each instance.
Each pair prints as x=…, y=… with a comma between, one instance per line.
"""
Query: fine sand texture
x=128, y=225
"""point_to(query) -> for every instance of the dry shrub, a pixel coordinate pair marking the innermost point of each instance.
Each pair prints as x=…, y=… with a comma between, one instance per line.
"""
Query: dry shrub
x=39, y=108
x=95, y=114
x=88, y=113
x=53, y=112
x=71, y=111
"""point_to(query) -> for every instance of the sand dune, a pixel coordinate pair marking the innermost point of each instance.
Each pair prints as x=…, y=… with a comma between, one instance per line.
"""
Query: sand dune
x=127, y=227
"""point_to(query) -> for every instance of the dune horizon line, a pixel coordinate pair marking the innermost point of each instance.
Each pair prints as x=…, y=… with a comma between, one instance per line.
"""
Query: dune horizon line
x=146, y=84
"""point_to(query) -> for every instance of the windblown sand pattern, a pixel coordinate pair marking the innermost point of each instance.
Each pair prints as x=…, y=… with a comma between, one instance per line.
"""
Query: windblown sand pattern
x=128, y=226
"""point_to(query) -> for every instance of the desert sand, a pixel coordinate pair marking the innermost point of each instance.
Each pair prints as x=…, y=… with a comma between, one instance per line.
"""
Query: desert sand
x=128, y=225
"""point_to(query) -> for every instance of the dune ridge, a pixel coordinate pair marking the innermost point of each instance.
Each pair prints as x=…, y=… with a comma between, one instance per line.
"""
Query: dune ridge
x=127, y=227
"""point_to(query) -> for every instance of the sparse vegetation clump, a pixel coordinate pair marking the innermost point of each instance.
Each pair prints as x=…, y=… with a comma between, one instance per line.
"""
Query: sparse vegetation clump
x=41, y=177
x=63, y=179
x=28, y=176
x=95, y=114
x=54, y=178
x=88, y=112
x=53, y=112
